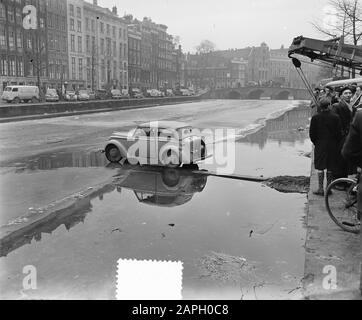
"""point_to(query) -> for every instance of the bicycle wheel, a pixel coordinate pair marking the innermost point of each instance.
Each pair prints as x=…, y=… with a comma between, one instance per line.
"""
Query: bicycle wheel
x=341, y=203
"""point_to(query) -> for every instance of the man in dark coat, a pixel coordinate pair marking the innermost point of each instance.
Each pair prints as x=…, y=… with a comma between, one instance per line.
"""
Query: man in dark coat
x=325, y=132
x=352, y=151
x=344, y=110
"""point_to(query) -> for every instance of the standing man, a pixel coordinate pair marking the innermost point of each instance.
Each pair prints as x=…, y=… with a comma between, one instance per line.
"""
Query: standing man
x=352, y=151
x=325, y=133
x=344, y=110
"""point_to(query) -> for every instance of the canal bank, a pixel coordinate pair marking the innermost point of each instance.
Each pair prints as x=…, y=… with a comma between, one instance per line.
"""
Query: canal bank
x=329, y=248
x=9, y=113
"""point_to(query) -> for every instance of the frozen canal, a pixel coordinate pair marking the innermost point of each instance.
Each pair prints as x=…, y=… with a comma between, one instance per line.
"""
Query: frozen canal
x=236, y=239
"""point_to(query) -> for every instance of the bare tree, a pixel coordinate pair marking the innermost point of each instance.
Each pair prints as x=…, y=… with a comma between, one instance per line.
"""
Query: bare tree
x=205, y=46
x=344, y=19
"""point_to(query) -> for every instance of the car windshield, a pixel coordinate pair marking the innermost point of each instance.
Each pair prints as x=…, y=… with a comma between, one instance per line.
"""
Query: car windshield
x=83, y=91
x=51, y=91
x=116, y=91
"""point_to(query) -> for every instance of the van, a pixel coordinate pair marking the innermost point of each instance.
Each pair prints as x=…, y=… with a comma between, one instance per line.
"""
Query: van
x=18, y=93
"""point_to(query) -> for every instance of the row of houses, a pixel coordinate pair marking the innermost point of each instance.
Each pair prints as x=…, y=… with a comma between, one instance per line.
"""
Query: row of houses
x=80, y=44
x=252, y=65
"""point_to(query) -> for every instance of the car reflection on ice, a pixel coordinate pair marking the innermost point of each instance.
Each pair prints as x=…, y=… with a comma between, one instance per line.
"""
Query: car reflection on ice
x=160, y=186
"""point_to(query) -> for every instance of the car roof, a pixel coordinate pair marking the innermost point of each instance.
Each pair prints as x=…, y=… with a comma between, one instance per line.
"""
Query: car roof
x=165, y=124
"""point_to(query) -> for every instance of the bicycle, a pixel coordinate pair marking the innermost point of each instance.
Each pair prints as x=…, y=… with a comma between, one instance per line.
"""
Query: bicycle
x=341, y=203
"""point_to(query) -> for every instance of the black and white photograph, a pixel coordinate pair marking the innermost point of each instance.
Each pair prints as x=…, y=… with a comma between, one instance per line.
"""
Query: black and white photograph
x=195, y=150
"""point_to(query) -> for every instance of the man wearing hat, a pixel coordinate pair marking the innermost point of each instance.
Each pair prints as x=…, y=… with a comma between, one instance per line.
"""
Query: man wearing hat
x=344, y=110
x=326, y=133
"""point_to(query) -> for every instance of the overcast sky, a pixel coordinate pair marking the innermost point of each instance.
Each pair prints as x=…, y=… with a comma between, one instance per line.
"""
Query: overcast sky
x=229, y=23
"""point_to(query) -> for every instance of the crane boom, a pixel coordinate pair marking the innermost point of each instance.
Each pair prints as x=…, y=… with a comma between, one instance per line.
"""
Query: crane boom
x=333, y=51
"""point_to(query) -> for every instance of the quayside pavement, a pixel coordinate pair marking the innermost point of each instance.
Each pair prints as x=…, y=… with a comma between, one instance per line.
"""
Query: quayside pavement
x=327, y=249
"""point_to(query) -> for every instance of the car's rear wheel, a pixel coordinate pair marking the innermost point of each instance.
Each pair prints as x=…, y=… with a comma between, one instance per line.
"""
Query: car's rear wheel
x=16, y=100
x=113, y=154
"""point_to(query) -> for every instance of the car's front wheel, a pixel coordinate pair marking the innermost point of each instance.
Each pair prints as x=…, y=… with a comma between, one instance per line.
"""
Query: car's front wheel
x=113, y=154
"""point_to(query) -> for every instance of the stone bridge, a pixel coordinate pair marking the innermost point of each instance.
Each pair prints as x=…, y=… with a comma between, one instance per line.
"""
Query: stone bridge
x=259, y=93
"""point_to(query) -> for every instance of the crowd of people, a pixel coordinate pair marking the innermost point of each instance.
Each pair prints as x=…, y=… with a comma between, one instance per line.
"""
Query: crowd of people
x=335, y=130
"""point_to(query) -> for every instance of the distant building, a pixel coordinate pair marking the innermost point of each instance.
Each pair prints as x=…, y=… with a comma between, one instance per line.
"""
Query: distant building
x=214, y=70
x=134, y=56
x=57, y=35
x=76, y=52
x=258, y=63
x=23, y=53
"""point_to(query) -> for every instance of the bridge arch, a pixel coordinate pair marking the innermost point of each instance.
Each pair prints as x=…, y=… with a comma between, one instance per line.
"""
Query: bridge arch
x=282, y=95
x=234, y=95
x=255, y=94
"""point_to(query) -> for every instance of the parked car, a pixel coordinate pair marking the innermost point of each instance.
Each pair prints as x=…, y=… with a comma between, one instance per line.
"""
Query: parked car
x=52, y=95
x=185, y=92
x=102, y=94
x=175, y=145
x=17, y=94
x=116, y=94
x=83, y=95
x=137, y=93
x=125, y=94
x=154, y=93
x=169, y=93
x=92, y=95
x=70, y=95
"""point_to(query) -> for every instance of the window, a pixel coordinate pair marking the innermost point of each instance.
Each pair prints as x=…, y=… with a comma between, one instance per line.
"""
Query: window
x=41, y=23
x=124, y=34
x=102, y=27
x=79, y=44
x=114, y=49
x=120, y=32
x=19, y=16
x=64, y=45
x=87, y=24
x=120, y=50
x=114, y=69
x=20, y=68
x=12, y=67
x=103, y=71
x=93, y=25
x=93, y=44
x=114, y=31
x=11, y=39
x=2, y=11
x=109, y=47
x=10, y=14
x=73, y=68
x=102, y=46
x=79, y=14
x=79, y=26
x=2, y=36
x=51, y=46
x=108, y=29
x=80, y=68
x=72, y=43
x=71, y=24
x=87, y=44
x=4, y=66
x=71, y=10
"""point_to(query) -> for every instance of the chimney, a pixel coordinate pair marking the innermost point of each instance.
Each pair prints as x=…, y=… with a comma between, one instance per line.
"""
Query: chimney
x=95, y=2
x=114, y=10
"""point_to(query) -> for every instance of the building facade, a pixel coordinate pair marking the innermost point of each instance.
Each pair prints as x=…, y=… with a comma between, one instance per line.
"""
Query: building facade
x=134, y=56
x=57, y=35
x=23, y=52
x=106, y=48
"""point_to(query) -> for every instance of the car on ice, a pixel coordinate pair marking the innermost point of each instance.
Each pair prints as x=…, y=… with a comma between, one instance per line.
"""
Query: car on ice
x=165, y=143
